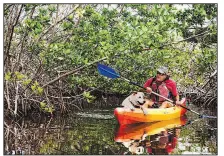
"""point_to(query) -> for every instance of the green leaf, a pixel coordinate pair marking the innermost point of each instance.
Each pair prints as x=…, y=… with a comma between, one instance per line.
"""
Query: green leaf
x=50, y=110
x=36, y=83
x=52, y=8
x=103, y=43
x=39, y=90
x=42, y=104
x=144, y=28
x=8, y=76
x=37, y=31
x=19, y=76
x=46, y=109
x=70, y=17
x=26, y=82
x=86, y=61
x=33, y=87
x=86, y=94
x=67, y=51
x=86, y=148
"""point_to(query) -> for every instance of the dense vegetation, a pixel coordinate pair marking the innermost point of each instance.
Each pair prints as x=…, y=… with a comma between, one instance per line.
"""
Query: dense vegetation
x=51, y=51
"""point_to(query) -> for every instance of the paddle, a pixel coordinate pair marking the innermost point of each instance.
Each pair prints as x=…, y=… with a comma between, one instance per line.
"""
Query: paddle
x=111, y=73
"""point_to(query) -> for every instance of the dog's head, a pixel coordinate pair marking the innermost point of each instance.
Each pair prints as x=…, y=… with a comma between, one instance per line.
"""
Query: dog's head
x=138, y=97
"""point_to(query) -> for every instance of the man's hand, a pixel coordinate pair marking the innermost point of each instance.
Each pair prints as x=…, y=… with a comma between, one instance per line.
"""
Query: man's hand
x=148, y=89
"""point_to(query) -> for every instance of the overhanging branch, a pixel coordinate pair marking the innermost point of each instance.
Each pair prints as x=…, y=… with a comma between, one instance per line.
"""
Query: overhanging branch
x=73, y=71
x=198, y=35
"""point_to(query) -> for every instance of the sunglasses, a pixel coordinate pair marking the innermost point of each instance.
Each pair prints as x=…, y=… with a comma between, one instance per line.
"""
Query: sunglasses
x=161, y=73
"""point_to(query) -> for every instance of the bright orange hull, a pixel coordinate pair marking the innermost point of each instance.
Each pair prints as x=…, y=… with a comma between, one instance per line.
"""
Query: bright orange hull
x=126, y=116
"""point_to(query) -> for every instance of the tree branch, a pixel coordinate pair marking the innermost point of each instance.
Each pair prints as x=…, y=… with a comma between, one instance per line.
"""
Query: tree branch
x=204, y=33
x=73, y=71
x=57, y=23
x=12, y=31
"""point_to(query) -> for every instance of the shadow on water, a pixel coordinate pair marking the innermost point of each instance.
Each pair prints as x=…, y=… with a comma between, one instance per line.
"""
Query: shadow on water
x=97, y=132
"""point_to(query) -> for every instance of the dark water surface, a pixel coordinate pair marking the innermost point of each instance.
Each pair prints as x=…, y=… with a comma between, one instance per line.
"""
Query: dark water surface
x=97, y=132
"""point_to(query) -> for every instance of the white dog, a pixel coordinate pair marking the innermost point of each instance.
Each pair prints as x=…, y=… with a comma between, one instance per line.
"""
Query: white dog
x=136, y=99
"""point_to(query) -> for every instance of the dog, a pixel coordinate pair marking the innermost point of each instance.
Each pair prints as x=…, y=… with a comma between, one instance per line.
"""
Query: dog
x=136, y=99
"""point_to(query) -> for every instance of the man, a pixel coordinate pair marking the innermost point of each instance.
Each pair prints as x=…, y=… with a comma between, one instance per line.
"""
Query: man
x=164, y=86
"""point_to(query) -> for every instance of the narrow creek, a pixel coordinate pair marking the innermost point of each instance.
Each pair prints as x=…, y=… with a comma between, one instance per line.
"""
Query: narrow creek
x=97, y=132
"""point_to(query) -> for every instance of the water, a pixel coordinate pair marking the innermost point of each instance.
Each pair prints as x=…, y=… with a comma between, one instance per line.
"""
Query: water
x=97, y=132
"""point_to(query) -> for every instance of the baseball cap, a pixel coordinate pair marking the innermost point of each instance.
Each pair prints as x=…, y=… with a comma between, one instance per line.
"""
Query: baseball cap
x=163, y=70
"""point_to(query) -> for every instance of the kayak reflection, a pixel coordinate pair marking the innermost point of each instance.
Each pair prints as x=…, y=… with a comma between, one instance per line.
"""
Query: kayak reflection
x=150, y=138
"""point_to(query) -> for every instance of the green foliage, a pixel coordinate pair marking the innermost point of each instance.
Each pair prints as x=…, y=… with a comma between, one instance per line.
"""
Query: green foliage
x=135, y=38
x=39, y=90
x=197, y=19
x=88, y=97
x=16, y=76
x=8, y=76
x=26, y=82
x=46, y=107
x=36, y=88
x=42, y=104
x=92, y=32
x=19, y=76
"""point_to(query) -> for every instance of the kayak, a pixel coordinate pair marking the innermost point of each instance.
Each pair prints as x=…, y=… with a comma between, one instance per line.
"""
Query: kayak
x=127, y=116
x=129, y=132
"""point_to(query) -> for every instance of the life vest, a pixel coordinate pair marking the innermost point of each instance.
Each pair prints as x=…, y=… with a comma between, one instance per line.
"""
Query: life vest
x=161, y=89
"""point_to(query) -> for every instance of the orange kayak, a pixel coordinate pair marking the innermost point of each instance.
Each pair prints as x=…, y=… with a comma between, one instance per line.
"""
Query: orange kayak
x=127, y=116
x=135, y=131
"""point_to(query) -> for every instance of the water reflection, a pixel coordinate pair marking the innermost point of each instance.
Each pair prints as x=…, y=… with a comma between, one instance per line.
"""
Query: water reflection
x=98, y=133
x=75, y=134
x=150, y=138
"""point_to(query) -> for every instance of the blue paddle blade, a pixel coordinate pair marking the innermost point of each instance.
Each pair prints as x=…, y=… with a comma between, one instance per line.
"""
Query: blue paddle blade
x=107, y=71
x=211, y=117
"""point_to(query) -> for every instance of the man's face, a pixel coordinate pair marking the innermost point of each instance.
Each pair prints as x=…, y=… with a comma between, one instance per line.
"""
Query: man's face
x=160, y=76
